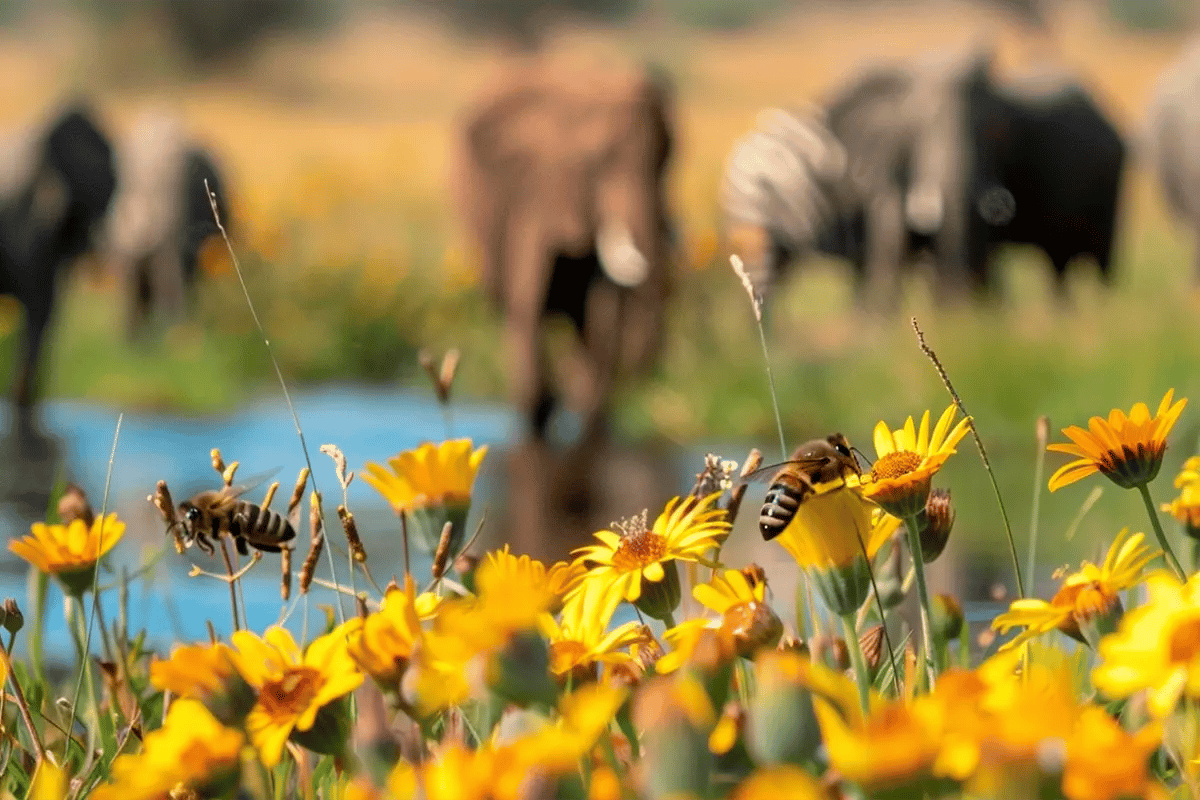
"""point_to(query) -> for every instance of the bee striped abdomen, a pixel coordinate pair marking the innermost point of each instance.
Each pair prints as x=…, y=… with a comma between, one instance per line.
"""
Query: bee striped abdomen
x=261, y=527
x=779, y=507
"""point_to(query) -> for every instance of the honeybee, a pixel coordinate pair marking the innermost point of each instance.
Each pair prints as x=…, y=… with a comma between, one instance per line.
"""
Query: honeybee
x=817, y=461
x=212, y=513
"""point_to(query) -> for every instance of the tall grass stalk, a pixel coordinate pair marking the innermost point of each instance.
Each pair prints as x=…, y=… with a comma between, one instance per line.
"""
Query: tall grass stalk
x=1043, y=435
x=237, y=268
x=987, y=465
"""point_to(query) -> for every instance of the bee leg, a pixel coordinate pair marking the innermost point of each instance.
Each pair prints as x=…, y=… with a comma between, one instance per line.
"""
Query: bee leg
x=241, y=545
x=268, y=548
x=204, y=544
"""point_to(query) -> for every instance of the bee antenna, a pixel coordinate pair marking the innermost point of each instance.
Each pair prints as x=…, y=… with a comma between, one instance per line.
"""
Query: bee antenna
x=859, y=454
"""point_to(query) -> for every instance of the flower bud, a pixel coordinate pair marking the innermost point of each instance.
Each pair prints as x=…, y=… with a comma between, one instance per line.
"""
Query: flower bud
x=330, y=731
x=677, y=718
x=659, y=599
x=11, y=617
x=520, y=672
x=782, y=725
x=945, y=618
x=936, y=521
x=753, y=626
x=873, y=647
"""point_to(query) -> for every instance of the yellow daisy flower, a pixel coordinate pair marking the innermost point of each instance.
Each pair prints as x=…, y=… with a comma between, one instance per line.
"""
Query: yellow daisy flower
x=191, y=751
x=779, y=780
x=208, y=673
x=1127, y=450
x=745, y=615
x=908, y=458
x=637, y=559
x=1086, y=597
x=430, y=475
x=382, y=644
x=292, y=686
x=559, y=579
x=70, y=552
x=581, y=639
x=1186, y=507
x=1156, y=648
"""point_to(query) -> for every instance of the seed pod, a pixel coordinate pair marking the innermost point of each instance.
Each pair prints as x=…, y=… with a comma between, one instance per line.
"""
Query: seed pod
x=316, y=540
x=285, y=585
x=162, y=501
x=11, y=617
x=298, y=492
x=230, y=471
x=218, y=463
x=350, y=528
x=443, y=551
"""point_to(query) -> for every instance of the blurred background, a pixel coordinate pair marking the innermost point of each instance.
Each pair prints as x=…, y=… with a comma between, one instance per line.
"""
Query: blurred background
x=333, y=128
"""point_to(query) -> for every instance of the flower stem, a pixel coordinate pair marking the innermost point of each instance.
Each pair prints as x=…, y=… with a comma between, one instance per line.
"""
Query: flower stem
x=861, y=676
x=914, y=550
x=1168, y=553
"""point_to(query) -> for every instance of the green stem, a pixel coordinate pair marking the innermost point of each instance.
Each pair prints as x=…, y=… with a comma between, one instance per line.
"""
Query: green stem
x=861, y=676
x=1168, y=553
x=914, y=550
x=669, y=620
x=79, y=634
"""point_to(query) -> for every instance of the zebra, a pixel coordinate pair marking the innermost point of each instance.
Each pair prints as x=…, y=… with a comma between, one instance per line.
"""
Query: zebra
x=784, y=193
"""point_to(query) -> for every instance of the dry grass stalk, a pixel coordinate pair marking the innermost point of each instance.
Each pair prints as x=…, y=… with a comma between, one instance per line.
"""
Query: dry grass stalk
x=285, y=577
x=442, y=554
x=350, y=528
x=316, y=539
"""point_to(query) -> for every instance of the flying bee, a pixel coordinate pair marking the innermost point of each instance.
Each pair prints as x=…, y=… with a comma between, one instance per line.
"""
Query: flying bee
x=818, y=461
x=210, y=514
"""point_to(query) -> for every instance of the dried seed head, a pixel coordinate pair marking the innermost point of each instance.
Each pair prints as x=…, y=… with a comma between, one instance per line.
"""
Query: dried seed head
x=739, y=269
x=309, y=567
x=162, y=501
x=1043, y=431
x=447, y=373
x=315, y=515
x=753, y=461
x=285, y=576
x=360, y=604
x=218, y=463
x=443, y=551
x=270, y=495
x=74, y=505
x=230, y=471
x=754, y=575
x=339, y=463
x=350, y=528
x=714, y=477
x=790, y=644
x=298, y=492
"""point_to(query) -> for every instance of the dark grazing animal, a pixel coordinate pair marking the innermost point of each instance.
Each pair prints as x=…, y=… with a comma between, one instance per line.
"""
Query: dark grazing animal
x=54, y=192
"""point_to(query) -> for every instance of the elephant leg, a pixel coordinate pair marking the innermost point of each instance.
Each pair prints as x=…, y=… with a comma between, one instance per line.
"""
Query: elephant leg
x=600, y=350
x=167, y=289
x=529, y=385
x=139, y=291
x=886, y=240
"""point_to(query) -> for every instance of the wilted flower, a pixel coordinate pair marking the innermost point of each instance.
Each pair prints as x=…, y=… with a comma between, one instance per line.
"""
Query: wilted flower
x=70, y=552
x=1126, y=450
x=1087, y=598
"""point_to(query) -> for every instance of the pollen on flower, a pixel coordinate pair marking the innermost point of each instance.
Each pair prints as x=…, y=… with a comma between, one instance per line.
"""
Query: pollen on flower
x=292, y=693
x=639, y=550
x=895, y=465
x=1184, y=644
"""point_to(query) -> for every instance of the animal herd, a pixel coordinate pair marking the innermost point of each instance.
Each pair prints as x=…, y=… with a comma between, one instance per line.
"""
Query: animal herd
x=561, y=181
x=66, y=190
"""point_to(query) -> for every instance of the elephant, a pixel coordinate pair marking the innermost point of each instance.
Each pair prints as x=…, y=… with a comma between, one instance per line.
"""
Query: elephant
x=55, y=187
x=561, y=177
x=1034, y=161
x=161, y=217
x=1173, y=139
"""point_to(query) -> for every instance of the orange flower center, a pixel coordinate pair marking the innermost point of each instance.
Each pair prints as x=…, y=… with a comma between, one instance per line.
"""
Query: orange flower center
x=895, y=465
x=1093, y=600
x=292, y=694
x=639, y=550
x=1184, y=644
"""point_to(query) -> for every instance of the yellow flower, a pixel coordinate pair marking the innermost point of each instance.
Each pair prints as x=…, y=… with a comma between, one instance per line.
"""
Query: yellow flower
x=70, y=552
x=1156, y=648
x=208, y=673
x=1127, y=450
x=745, y=615
x=430, y=475
x=559, y=579
x=780, y=780
x=50, y=782
x=627, y=561
x=581, y=639
x=192, y=751
x=1084, y=596
x=1186, y=507
x=907, y=460
x=292, y=686
x=383, y=643
x=1106, y=762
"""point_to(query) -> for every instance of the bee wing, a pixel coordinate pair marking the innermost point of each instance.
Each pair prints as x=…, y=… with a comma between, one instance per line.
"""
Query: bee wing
x=764, y=474
x=252, y=483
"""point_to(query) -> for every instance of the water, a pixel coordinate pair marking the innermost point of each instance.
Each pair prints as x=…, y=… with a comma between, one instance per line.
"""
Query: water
x=367, y=425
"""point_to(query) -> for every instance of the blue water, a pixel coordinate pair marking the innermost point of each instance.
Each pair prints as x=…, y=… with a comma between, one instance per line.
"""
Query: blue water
x=368, y=425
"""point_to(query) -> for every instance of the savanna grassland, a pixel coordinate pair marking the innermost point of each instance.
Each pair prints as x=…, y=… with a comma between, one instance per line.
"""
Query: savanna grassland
x=337, y=150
